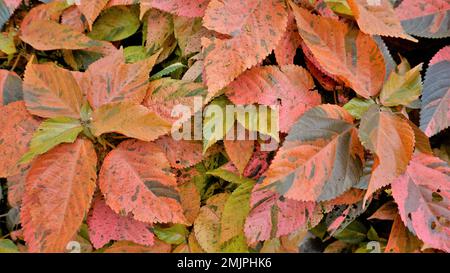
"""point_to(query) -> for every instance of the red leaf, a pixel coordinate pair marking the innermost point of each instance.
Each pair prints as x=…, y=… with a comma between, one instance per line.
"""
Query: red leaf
x=105, y=225
x=181, y=154
x=287, y=47
x=272, y=216
x=135, y=178
x=290, y=87
x=423, y=198
x=255, y=27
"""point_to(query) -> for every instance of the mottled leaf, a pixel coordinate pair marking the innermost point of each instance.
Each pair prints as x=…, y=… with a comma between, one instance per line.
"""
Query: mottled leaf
x=16, y=130
x=51, y=91
x=423, y=198
x=129, y=119
x=391, y=139
x=343, y=51
x=58, y=193
x=135, y=178
x=255, y=27
x=106, y=225
x=320, y=159
x=435, y=114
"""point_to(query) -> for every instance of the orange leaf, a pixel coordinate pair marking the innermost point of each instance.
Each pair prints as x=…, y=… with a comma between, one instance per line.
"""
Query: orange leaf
x=110, y=79
x=51, y=91
x=58, y=193
x=391, y=139
x=17, y=127
x=343, y=51
x=379, y=19
x=240, y=152
x=91, y=9
x=401, y=240
x=135, y=178
x=127, y=118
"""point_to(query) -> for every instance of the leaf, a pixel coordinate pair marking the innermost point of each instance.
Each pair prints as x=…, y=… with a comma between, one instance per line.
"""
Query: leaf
x=135, y=178
x=387, y=211
x=190, y=200
x=165, y=94
x=393, y=153
x=216, y=122
x=378, y=19
x=60, y=37
x=91, y=9
x=105, y=225
x=289, y=87
x=10, y=87
x=110, y=79
x=158, y=29
x=130, y=247
x=425, y=18
x=8, y=246
x=239, y=152
x=255, y=27
x=188, y=8
x=401, y=240
x=345, y=52
x=272, y=216
x=129, y=119
x=320, y=159
x=403, y=87
x=50, y=91
x=174, y=235
x=207, y=224
x=167, y=71
x=290, y=42
x=182, y=153
x=7, y=8
x=51, y=220
x=16, y=187
x=233, y=218
x=229, y=176
x=50, y=134
x=353, y=234
x=16, y=130
x=115, y=24
x=358, y=107
x=435, y=114
x=423, y=198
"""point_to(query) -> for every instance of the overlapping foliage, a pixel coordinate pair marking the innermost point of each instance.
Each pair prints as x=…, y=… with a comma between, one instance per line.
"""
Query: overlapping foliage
x=88, y=154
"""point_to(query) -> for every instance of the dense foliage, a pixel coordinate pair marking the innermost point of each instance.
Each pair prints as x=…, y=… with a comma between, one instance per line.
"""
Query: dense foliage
x=355, y=160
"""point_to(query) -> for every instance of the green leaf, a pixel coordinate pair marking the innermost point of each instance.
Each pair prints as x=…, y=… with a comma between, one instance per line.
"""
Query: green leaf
x=234, y=214
x=7, y=42
x=404, y=85
x=166, y=71
x=51, y=133
x=354, y=233
x=254, y=123
x=115, y=24
x=173, y=235
x=339, y=6
x=135, y=54
x=357, y=107
x=230, y=177
x=8, y=246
